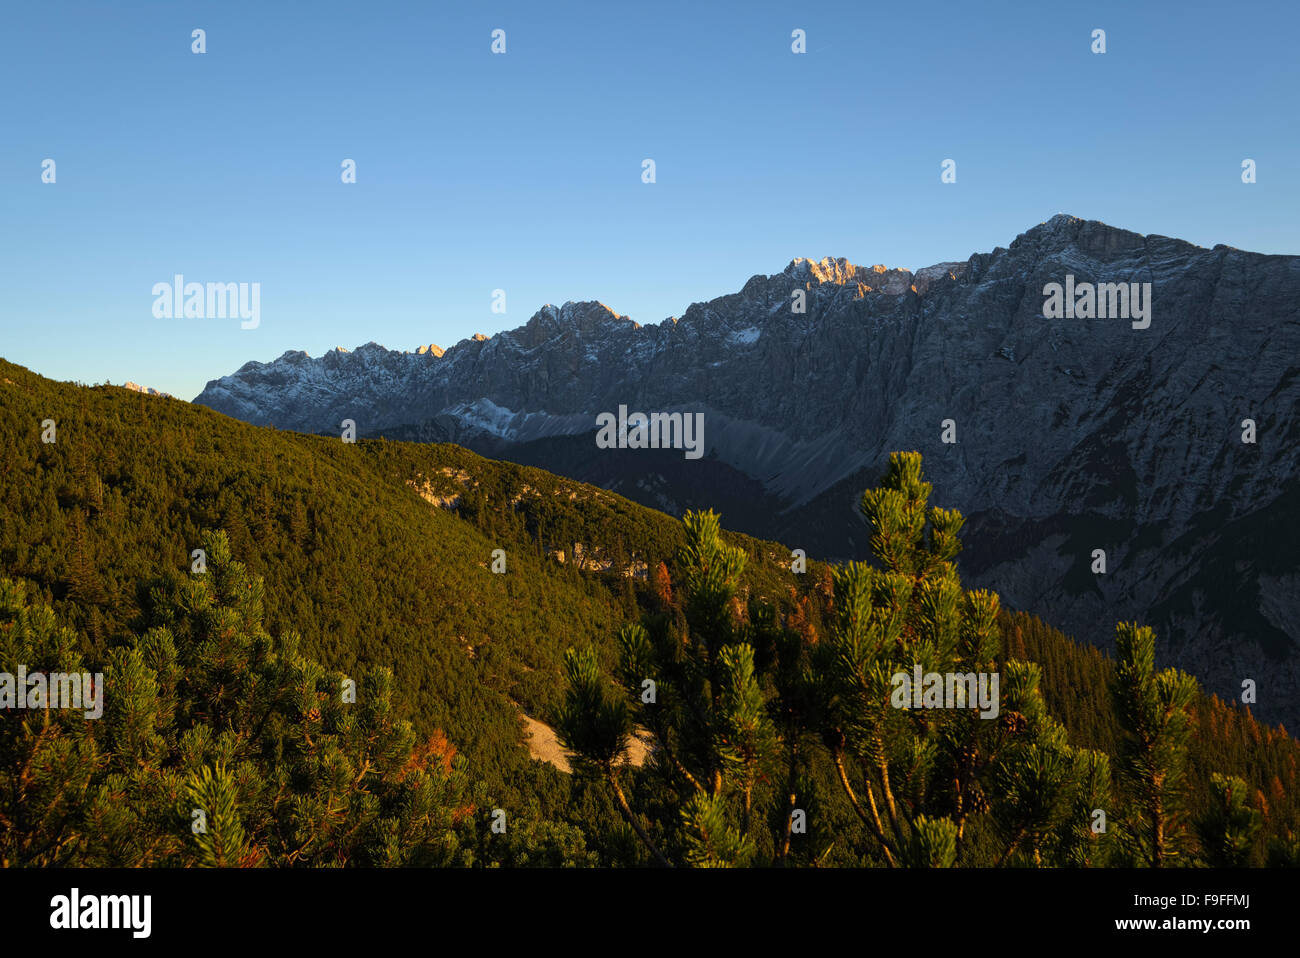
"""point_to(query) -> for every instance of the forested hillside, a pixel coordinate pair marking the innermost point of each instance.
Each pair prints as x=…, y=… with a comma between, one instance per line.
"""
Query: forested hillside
x=380, y=555
x=101, y=523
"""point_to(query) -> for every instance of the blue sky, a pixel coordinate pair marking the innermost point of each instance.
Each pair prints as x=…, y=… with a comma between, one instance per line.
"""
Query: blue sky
x=523, y=171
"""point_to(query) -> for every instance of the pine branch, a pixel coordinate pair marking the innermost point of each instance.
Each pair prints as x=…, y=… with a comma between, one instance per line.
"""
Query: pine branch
x=872, y=823
x=631, y=820
x=883, y=765
x=1006, y=855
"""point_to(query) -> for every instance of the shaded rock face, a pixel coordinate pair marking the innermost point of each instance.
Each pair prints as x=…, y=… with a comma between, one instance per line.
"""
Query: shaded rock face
x=1072, y=435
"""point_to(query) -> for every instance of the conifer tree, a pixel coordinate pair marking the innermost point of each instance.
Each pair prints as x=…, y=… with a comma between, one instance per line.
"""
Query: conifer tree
x=219, y=745
x=922, y=781
x=910, y=612
x=1229, y=828
x=708, y=713
x=48, y=757
x=1153, y=709
x=595, y=725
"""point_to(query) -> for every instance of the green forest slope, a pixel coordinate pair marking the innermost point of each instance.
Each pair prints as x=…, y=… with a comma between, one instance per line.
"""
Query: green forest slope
x=381, y=554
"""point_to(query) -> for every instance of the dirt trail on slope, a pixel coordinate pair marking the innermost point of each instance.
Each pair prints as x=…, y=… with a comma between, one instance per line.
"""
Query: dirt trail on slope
x=545, y=745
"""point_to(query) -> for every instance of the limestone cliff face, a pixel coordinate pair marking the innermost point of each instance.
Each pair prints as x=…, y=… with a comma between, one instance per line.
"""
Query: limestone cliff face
x=1072, y=434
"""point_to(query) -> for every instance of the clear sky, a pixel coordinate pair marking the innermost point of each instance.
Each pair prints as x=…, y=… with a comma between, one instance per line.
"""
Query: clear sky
x=523, y=171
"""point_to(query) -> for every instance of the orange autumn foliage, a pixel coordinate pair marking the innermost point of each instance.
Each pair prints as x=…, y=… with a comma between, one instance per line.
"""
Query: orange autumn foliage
x=663, y=585
x=435, y=752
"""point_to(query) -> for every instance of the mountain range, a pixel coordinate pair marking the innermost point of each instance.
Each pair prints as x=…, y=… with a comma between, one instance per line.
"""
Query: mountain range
x=1055, y=437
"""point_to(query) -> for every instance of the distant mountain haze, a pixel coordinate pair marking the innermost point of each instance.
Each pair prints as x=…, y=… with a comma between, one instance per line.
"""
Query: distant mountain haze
x=1072, y=434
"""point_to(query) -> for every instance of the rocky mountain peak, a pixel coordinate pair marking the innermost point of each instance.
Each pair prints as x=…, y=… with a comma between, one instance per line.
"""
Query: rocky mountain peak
x=147, y=390
x=836, y=270
x=1063, y=232
x=584, y=320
